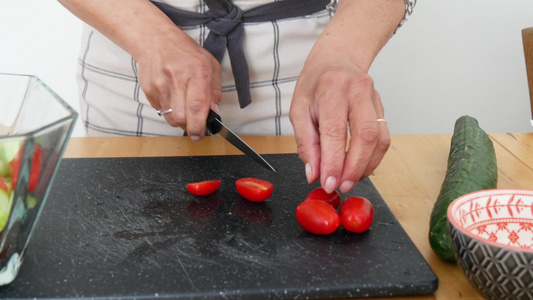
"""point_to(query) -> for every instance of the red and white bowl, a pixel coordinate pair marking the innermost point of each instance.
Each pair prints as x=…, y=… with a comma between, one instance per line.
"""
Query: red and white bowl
x=492, y=237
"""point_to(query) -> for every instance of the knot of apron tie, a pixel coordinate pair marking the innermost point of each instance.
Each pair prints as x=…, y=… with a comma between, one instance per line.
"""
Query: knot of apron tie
x=227, y=32
x=226, y=24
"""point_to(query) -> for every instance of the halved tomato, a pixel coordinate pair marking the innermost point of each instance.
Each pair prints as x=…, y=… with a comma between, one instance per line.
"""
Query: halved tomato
x=254, y=189
x=3, y=185
x=333, y=199
x=203, y=188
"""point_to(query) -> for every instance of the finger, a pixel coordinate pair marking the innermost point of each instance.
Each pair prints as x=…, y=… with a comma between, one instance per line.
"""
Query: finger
x=216, y=86
x=159, y=98
x=364, y=136
x=384, y=139
x=307, y=138
x=176, y=101
x=203, y=92
x=362, y=144
x=197, y=108
x=333, y=134
x=382, y=146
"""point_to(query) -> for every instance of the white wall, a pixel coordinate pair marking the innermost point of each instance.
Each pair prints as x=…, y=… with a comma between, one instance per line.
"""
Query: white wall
x=456, y=57
x=40, y=37
x=453, y=57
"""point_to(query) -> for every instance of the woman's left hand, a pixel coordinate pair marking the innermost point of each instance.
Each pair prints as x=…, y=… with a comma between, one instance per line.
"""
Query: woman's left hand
x=335, y=105
x=334, y=98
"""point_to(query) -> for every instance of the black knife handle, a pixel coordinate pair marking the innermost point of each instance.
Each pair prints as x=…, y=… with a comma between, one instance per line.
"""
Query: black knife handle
x=212, y=125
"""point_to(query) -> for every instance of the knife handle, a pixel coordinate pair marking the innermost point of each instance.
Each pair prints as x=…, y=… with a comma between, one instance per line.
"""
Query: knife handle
x=213, y=125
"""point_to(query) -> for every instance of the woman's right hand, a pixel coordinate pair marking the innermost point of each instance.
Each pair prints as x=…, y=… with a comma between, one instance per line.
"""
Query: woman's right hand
x=176, y=72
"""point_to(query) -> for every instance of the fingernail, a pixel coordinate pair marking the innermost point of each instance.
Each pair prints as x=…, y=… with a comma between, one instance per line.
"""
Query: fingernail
x=346, y=186
x=195, y=137
x=308, y=172
x=330, y=184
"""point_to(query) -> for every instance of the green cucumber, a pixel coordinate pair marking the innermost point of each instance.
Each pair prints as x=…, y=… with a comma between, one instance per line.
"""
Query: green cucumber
x=471, y=167
x=8, y=151
x=6, y=199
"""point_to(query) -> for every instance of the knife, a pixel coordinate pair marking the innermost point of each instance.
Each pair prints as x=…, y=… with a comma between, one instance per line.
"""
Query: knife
x=215, y=125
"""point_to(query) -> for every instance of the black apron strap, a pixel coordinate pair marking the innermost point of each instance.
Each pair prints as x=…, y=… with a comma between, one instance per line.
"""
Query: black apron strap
x=226, y=24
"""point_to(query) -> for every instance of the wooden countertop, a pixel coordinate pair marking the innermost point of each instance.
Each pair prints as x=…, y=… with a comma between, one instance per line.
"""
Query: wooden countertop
x=409, y=178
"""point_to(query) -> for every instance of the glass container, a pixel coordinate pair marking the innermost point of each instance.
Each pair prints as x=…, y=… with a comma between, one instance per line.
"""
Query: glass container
x=35, y=126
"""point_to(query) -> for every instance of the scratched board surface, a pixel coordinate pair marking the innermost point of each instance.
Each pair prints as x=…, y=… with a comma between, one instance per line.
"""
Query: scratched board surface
x=127, y=227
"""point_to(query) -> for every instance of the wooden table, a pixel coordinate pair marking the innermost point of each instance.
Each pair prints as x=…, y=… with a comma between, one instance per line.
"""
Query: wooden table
x=409, y=178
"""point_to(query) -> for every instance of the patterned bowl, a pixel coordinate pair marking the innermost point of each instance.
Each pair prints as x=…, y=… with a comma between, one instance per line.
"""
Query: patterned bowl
x=492, y=237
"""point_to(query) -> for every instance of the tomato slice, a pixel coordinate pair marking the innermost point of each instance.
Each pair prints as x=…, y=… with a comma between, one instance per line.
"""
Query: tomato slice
x=36, y=165
x=14, y=165
x=317, y=217
x=333, y=199
x=203, y=188
x=35, y=171
x=3, y=185
x=357, y=214
x=254, y=189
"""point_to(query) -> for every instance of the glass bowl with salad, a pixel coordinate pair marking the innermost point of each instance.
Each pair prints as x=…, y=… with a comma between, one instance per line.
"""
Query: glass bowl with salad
x=35, y=126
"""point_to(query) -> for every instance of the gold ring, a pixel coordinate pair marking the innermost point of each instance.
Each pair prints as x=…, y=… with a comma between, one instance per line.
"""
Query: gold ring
x=161, y=112
x=381, y=120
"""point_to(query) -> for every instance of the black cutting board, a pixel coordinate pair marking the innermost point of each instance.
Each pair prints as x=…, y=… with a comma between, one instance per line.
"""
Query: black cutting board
x=128, y=227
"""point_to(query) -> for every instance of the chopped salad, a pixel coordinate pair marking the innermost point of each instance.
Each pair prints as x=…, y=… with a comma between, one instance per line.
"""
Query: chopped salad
x=10, y=161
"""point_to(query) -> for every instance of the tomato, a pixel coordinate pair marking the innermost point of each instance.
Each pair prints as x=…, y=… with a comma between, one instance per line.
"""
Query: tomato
x=333, y=199
x=14, y=165
x=357, y=214
x=36, y=165
x=317, y=217
x=203, y=188
x=254, y=189
x=3, y=185
x=35, y=171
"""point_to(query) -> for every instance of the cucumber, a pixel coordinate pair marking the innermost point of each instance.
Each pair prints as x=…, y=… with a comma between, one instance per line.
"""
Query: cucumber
x=8, y=151
x=471, y=167
x=6, y=200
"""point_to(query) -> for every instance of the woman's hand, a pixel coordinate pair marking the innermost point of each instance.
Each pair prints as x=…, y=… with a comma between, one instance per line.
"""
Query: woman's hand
x=335, y=98
x=185, y=78
x=335, y=105
x=174, y=71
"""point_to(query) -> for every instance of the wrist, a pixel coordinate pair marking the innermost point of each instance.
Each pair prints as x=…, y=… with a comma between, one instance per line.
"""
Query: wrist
x=409, y=7
x=360, y=28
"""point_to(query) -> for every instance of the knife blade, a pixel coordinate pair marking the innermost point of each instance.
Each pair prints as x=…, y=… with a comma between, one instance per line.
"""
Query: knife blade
x=215, y=125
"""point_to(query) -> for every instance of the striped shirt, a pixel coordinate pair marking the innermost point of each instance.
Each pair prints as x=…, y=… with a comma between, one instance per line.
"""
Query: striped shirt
x=112, y=102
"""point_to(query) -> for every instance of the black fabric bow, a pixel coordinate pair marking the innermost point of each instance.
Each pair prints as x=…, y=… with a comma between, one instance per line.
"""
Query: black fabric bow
x=226, y=24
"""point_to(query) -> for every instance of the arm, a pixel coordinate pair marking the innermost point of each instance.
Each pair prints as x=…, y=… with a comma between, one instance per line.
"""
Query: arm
x=334, y=94
x=174, y=71
x=361, y=28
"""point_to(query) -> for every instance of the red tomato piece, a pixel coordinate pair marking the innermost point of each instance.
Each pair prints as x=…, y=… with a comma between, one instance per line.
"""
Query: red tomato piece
x=36, y=165
x=357, y=214
x=203, y=188
x=3, y=185
x=14, y=165
x=254, y=189
x=35, y=171
x=317, y=217
x=333, y=199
